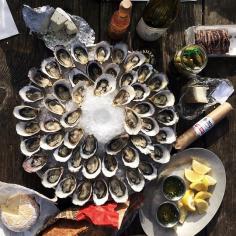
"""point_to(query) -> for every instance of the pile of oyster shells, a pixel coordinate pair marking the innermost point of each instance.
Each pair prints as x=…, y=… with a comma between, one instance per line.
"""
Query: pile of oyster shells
x=63, y=154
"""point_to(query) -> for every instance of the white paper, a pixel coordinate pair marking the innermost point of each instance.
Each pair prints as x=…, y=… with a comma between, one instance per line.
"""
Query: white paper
x=7, y=25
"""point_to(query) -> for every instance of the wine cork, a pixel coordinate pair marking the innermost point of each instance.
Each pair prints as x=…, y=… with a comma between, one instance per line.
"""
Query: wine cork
x=202, y=126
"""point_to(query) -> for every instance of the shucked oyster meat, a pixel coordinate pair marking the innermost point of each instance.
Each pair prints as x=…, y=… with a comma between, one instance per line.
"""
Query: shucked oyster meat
x=51, y=68
x=53, y=105
x=115, y=145
x=35, y=162
x=83, y=193
x=104, y=85
x=100, y=192
x=102, y=51
x=119, y=53
x=39, y=78
x=62, y=90
x=88, y=147
x=109, y=165
x=92, y=167
x=124, y=96
x=79, y=53
x=118, y=190
x=133, y=123
x=94, y=70
x=52, y=176
x=63, y=56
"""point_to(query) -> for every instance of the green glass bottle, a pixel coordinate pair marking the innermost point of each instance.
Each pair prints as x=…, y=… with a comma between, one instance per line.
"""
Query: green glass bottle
x=157, y=17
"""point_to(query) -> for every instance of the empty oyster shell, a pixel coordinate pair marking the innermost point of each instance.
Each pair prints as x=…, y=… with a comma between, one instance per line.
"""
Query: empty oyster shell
x=63, y=56
x=142, y=142
x=51, y=68
x=62, y=154
x=73, y=137
x=128, y=78
x=135, y=179
x=71, y=119
x=130, y=157
x=124, y=96
x=35, y=162
x=52, y=176
x=74, y=163
x=50, y=125
x=133, y=123
x=83, y=193
x=160, y=154
x=27, y=129
x=62, y=90
x=157, y=82
x=30, y=146
x=115, y=145
x=92, y=167
x=119, y=53
x=88, y=147
x=163, y=99
x=150, y=126
x=112, y=69
x=144, y=109
x=78, y=92
x=66, y=186
x=24, y=112
x=118, y=190
x=102, y=51
x=39, y=78
x=76, y=76
x=104, y=85
x=53, y=105
x=31, y=93
x=148, y=171
x=79, y=53
x=109, y=165
x=100, y=192
x=51, y=141
x=144, y=72
x=141, y=92
x=94, y=70
x=134, y=60
x=167, y=116
x=166, y=135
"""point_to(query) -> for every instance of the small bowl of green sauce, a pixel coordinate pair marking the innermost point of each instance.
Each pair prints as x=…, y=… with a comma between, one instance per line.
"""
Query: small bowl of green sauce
x=173, y=188
x=168, y=215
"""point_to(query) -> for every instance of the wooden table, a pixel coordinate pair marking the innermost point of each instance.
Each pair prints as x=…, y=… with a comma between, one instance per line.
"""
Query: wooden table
x=24, y=51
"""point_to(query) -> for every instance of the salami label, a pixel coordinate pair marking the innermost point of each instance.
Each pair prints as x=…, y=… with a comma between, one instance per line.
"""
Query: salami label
x=204, y=125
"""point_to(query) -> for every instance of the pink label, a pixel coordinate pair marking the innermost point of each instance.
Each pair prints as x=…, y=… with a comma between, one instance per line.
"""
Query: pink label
x=204, y=125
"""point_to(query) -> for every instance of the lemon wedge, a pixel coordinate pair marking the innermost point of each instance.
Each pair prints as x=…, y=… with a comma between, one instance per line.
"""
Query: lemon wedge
x=201, y=205
x=183, y=214
x=200, y=168
x=199, y=186
x=188, y=200
x=192, y=176
x=210, y=180
x=202, y=195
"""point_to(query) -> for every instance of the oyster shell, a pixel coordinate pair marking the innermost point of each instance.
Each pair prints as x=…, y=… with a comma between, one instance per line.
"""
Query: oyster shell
x=119, y=53
x=144, y=109
x=92, y=167
x=150, y=126
x=130, y=157
x=79, y=53
x=76, y=76
x=30, y=145
x=62, y=154
x=112, y=69
x=124, y=96
x=157, y=82
x=142, y=142
x=115, y=145
x=88, y=147
x=133, y=123
x=148, y=171
x=102, y=51
x=63, y=56
x=75, y=162
x=73, y=137
x=62, y=90
x=135, y=179
x=51, y=68
x=24, y=112
x=71, y=119
x=53, y=105
x=52, y=176
x=118, y=190
x=100, y=192
x=83, y=193
x=27, y=129
x=104, y=85
x=39, y=78
x=144, y=72
x=66, y=186
x=78, y=92
x=50, y=125
x=94, y=70
x=160, y=154
x=134, y=60
x=51, y=141
x=167, y=116
x=141, y=92
x=35, y=163
x=163, y=99
x=166, y=135
x=109, y=165
x=128, y=78
x=31, y=94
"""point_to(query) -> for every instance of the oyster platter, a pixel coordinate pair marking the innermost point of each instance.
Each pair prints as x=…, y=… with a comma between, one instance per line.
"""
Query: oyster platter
x=95, y=122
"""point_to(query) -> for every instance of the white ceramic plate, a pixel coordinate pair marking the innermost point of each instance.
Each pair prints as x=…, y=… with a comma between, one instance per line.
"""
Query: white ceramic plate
x=194, y=222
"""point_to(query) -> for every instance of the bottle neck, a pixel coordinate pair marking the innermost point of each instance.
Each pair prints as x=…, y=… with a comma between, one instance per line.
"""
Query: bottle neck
x=125, y=8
